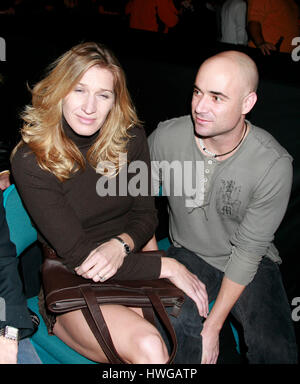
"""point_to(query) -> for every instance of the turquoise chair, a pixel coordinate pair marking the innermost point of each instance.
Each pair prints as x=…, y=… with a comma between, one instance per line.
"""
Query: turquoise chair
x=50, y=349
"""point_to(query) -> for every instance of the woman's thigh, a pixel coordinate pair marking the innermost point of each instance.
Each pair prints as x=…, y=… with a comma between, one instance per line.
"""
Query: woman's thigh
x=126, y=326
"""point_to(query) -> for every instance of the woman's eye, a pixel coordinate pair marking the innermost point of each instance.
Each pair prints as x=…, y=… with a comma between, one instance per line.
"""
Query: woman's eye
x=104, y=96
x=78, y=90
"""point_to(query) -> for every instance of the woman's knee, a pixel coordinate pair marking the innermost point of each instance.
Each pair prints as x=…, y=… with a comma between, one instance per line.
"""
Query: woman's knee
x=150, y=348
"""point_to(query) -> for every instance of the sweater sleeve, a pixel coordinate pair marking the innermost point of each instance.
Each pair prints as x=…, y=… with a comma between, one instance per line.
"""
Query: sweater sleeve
x=142, y=218
x=264, y=215
x=56, y=221
x=13, y=307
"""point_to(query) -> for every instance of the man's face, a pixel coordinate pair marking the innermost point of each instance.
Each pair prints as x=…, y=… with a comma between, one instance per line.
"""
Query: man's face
x=217, y=103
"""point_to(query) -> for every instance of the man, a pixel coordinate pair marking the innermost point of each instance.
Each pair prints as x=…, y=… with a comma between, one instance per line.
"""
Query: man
x=272, y=24
x=15, y=320
x=145, y=14
x=224, y=234
x=233, y=22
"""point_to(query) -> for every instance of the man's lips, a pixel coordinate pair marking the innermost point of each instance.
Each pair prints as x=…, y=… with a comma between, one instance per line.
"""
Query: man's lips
x=202, y=121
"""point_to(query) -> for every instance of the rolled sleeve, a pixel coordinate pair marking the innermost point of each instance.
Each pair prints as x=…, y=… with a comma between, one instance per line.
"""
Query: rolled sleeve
x=255, y=234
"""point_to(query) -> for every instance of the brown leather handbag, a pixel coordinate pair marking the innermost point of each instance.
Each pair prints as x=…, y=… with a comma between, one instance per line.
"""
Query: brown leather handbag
x=65, y=291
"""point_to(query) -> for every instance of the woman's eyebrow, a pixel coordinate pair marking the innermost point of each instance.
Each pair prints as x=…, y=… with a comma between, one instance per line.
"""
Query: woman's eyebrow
x=100, y=89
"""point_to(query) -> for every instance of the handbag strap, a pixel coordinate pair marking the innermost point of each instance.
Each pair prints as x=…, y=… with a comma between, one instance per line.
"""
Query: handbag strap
x=162, y=314
x=98, y=326
x=97, y=323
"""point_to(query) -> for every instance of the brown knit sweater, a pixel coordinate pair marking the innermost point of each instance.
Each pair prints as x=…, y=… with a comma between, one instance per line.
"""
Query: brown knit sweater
x=73, y=219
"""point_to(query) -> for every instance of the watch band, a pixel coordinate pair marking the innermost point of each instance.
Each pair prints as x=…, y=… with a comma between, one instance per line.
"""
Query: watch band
x=9, y=332
x=125, y=245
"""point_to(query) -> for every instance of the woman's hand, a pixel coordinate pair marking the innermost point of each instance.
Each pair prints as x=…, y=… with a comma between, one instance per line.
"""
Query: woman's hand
x=4, y=180
x=103, y=262
x=189, y=283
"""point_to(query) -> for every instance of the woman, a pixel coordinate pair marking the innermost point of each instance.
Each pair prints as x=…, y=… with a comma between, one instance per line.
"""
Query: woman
x=82, y=117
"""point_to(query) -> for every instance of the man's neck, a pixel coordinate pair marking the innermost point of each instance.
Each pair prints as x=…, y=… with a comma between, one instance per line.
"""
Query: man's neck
x=221, y=144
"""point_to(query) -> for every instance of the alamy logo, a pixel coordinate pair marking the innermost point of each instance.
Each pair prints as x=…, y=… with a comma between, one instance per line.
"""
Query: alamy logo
x=296, y=310
x=184, y=178
x=2, y=49
x=2, y=309
x=296, y=51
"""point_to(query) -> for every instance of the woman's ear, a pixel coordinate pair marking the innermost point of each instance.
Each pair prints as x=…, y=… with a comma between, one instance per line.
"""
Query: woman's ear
x=249, y=102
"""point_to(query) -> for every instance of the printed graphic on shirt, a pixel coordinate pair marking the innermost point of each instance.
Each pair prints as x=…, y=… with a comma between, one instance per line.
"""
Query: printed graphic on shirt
x=228, y=202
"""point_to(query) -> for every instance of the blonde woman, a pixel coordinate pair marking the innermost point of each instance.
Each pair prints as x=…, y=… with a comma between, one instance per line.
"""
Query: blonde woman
x=82, y=116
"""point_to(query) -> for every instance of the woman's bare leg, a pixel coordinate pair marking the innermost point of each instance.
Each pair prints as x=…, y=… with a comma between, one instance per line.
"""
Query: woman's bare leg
x=136, y=340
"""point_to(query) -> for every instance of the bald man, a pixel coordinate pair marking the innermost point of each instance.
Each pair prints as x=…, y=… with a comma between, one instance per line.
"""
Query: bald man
x=235, y=182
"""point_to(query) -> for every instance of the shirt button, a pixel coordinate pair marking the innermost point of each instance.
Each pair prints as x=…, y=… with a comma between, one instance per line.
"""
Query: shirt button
x=206, y=171
x=210, y=162
x=205, y=179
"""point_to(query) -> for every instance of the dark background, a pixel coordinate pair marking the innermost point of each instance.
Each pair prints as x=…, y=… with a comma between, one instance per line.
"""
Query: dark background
x=160, y=70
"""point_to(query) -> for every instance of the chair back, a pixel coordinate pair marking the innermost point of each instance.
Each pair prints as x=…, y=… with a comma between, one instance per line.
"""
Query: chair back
x=22, y=232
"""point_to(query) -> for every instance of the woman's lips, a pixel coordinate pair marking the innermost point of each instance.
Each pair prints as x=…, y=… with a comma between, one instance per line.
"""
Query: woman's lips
x=86, y=120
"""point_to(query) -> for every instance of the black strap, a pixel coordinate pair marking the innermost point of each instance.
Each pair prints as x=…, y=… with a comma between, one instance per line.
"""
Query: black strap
x=162, y=314
x=97, y=324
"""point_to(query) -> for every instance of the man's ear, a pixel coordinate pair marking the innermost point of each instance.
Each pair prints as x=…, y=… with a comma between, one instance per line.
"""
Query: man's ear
x=249, y=102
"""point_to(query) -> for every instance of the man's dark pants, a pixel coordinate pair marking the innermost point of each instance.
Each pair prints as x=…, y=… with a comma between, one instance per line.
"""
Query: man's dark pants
x=262, y=310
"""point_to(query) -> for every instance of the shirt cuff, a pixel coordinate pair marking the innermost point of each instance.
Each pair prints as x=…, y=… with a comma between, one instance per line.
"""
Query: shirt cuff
x=242, y=266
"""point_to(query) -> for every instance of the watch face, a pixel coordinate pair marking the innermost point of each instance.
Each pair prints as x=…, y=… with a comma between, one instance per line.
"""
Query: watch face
x=127, y=248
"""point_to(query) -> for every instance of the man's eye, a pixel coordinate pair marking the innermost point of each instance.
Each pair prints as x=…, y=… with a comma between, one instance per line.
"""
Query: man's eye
x=217, y=98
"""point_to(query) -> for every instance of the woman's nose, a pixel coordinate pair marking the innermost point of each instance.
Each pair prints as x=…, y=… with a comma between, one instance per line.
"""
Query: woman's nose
x=89, y=105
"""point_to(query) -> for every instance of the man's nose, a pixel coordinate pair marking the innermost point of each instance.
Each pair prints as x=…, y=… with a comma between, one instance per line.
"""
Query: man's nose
x=201, y=104
x=89, y=105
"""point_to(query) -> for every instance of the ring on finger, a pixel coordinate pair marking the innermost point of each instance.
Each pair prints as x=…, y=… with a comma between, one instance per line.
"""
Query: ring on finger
x=100, y=277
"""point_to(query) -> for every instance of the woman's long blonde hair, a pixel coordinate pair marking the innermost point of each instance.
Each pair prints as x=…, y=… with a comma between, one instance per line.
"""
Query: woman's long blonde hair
x=43, y=120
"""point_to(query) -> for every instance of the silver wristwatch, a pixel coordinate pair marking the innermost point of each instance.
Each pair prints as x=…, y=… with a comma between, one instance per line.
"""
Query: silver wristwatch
x=9, y=332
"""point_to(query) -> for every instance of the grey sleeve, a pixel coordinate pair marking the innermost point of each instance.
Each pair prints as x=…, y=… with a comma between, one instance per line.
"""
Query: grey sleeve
x=155, y=175
x=265, y=212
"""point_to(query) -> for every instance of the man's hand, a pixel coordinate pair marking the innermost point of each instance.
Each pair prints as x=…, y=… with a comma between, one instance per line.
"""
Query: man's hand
x=8, y=351
x=266, y=48
x=226, y=299
x=210, y=345
x=189, y=283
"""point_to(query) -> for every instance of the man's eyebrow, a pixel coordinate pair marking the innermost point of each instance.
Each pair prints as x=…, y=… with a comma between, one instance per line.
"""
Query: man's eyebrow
x=219, y=94
x=213, y=92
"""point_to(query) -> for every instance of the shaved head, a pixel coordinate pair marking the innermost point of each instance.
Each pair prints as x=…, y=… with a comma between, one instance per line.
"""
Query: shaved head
x=241, y=67
x=224, y=92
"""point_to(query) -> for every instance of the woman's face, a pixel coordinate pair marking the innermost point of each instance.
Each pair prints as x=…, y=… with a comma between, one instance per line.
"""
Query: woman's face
x=86, y=107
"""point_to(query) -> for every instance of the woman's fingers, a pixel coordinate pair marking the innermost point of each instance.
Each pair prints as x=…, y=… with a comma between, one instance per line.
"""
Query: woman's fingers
x=104, y=261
